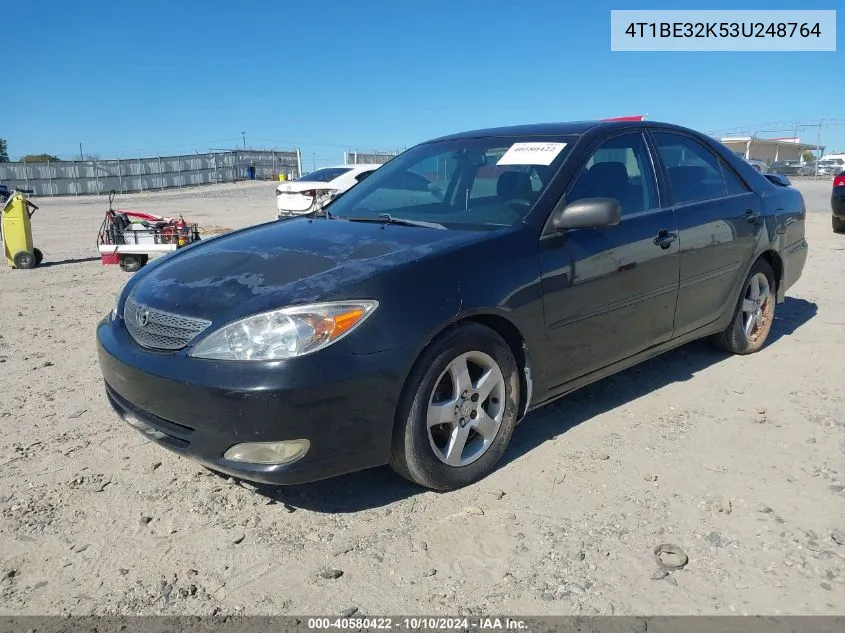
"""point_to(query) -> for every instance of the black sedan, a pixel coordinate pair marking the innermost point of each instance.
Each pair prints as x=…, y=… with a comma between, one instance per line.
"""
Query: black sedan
x=837, y=203
x=468, y=281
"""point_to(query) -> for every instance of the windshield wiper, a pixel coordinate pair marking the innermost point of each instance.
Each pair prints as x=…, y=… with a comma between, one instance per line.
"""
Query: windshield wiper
x=386, y=218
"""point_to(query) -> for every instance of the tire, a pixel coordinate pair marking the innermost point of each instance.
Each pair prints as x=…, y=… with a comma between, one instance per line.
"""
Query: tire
x=736, y=339
x=24, y=260
x=132, y=263
x=838, y=224
x=421, y=455
x=39, y=256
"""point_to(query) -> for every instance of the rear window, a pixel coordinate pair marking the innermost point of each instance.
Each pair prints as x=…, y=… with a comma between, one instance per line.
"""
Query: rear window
x=325, y=175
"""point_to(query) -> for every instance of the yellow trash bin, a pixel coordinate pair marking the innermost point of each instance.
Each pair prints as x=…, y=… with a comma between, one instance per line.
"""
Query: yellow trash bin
x=282, y=177
x=17, y=232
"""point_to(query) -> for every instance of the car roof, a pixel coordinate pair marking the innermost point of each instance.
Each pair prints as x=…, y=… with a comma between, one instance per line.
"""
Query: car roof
x=557, y=129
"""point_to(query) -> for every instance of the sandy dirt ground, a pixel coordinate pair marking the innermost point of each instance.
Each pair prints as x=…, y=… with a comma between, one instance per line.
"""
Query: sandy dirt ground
x=740, y=461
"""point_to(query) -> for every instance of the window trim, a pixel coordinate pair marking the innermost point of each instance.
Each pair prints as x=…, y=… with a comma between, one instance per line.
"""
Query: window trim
x=652, y=132
x=746, y=189
x=592, y=148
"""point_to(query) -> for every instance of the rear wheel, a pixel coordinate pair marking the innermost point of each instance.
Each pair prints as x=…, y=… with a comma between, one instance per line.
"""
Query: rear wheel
x=838, y=224
x=132, y=263
x=39, y=256
x=754, y=314
x=458, y=411
x=24, y=260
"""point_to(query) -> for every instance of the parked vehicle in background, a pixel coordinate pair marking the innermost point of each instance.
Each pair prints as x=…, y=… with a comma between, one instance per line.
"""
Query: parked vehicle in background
x=759, y=165
x=416, y=325
x=311, y=192
x=807, y=169
x=837, y=203
x=785, y=167
x=830, y=166
x=4, y=193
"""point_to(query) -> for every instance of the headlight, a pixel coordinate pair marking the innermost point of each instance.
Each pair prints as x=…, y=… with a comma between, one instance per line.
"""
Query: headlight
x=284, y=333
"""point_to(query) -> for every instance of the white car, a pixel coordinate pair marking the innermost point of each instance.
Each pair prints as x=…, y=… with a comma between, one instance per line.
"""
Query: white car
x=830, y=166
x=310, y=192
x=759, y=165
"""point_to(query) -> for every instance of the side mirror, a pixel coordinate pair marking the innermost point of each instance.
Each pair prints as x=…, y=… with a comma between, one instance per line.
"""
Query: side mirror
x=589, y=213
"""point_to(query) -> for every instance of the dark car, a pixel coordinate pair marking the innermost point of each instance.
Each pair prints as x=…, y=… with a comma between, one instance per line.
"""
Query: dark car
x=786, y=167
x=416, y=325
x=837, y=203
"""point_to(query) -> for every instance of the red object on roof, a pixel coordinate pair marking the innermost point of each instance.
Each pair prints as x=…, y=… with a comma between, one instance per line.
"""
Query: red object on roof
x=636, y=117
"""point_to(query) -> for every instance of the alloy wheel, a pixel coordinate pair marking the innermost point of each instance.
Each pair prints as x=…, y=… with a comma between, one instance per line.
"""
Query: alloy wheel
x=756, y=306
x=466, y=408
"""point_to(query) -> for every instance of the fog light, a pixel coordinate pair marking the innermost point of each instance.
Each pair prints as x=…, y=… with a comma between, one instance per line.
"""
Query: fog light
x=268, y=452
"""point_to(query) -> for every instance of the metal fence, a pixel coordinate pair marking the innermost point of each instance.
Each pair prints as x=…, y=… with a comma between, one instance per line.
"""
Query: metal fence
x=370, y=157
x=91, y=177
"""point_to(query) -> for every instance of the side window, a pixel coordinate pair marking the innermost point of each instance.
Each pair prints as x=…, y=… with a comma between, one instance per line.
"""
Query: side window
x=362, y=175
x=694, y=173
x=619, y=168
x=734, y=185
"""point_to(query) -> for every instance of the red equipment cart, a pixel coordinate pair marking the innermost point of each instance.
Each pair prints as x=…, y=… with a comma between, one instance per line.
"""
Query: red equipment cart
x=129, y=238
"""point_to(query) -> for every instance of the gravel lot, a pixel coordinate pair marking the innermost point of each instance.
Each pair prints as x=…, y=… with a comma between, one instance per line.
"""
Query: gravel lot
x=738, y=460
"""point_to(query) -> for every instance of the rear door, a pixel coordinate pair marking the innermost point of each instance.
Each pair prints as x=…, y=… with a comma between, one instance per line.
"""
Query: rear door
x=610, y=292
x=720, y=221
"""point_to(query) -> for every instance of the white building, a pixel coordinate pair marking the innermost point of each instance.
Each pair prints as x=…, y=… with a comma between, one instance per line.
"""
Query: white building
x=769, y=149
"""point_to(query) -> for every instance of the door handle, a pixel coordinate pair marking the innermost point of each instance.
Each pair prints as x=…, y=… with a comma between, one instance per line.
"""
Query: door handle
x=664, y=239
x=751, y=215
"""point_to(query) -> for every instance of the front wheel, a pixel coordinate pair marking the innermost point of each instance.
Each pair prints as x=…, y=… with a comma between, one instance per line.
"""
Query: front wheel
x=25, y=260
x=458, y=411
x=754, y=314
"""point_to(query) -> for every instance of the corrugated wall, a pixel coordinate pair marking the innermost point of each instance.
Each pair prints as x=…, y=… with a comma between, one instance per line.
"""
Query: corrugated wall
x=371, y=157
x=73, y=178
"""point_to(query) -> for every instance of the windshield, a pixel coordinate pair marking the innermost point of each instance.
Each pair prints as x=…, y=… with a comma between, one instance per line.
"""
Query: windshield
x=472, y=184
x=325, y=175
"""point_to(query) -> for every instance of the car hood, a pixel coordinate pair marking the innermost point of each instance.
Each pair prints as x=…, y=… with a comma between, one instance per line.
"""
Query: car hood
x=282, y=263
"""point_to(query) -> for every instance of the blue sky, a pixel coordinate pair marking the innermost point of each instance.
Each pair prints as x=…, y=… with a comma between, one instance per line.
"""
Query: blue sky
x=174, y=76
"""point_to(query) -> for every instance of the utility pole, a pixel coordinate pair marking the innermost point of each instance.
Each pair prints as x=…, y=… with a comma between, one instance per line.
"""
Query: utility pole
x=314, y=161
x=81, y=157
x=243, y=135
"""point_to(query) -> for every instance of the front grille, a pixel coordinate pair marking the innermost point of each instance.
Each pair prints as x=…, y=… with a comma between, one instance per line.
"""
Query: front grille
x=160, y=330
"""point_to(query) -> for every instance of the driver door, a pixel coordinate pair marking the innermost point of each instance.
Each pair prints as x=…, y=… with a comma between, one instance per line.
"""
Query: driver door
x=610, y=292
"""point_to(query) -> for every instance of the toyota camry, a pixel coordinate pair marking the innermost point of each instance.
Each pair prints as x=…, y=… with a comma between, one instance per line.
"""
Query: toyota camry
x=428, y=309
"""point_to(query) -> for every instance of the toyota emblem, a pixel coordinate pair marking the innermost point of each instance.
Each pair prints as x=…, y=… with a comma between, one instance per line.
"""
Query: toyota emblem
x=142, y=317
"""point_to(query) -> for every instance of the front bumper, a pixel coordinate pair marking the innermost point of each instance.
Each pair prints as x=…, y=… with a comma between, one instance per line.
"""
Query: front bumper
x=343, y=403
x=284, y=214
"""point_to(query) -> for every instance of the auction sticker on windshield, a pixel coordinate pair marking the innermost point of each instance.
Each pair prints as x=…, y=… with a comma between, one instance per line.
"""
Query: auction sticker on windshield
x=531, y=154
